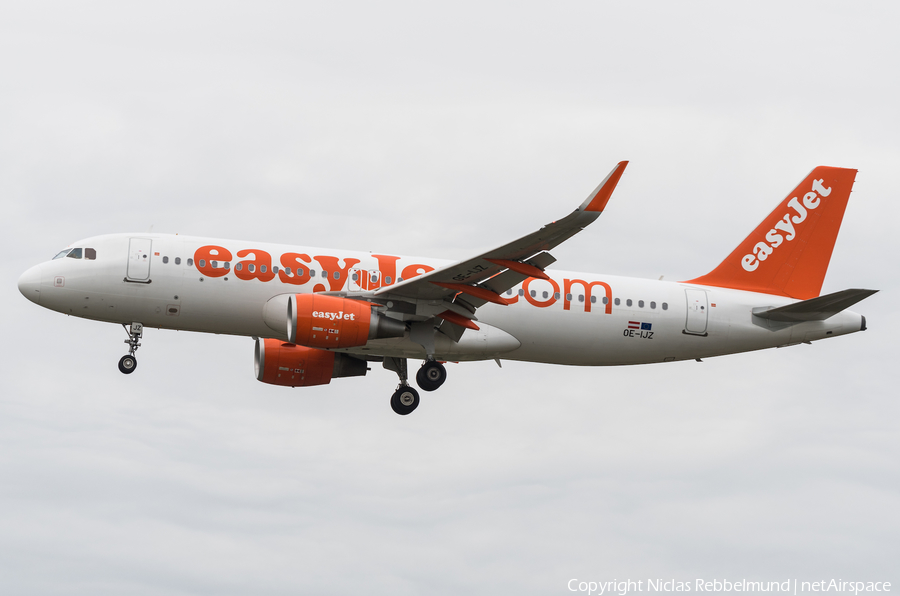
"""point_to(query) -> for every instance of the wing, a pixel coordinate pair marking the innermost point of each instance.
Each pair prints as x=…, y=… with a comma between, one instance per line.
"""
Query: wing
x=454, y=292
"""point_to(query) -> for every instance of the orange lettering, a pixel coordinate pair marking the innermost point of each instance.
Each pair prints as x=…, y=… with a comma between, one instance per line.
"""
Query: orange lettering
x=330, y=264
x=204, y=257
x=567, y=289
x=261, y=265
x=414, y=270
x=292, y=260
x=534, y=301
x=387, y=265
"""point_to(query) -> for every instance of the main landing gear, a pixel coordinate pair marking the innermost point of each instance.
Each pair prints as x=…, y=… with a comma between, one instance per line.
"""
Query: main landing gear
x=405, y=399
x=128, y=362
x=430, y=376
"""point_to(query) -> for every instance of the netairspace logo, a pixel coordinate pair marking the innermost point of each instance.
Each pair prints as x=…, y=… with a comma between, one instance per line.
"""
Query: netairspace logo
x=791, y=586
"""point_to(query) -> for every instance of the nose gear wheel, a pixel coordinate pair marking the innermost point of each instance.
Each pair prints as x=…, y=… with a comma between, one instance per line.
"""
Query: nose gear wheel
x=127, y=364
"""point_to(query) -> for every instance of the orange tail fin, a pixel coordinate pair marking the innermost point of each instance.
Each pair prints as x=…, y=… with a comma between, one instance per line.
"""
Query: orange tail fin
x=788, y=253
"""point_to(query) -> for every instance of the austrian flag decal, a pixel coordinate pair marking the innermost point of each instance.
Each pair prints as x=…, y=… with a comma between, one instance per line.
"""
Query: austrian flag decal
x=639, y=330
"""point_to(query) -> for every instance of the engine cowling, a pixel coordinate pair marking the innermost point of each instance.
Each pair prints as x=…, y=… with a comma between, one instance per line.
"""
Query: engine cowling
x=290, y=365
x=320, y=321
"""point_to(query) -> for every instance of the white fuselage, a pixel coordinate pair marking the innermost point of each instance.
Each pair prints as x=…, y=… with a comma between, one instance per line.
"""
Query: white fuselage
x=574, y=318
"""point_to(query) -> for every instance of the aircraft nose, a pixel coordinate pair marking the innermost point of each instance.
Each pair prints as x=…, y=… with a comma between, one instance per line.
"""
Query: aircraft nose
x=30, y=284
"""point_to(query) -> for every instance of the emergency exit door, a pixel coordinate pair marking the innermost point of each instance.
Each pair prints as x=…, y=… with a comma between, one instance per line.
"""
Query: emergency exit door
x=697, y=312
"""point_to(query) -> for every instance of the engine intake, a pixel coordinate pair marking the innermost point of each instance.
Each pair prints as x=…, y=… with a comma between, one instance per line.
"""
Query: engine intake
x=290, y=365
x=321, y=321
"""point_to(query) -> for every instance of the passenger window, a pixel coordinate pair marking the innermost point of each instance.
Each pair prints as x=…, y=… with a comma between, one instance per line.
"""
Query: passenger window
x=509, y=292
x=75, y=253
x=665, y=306
x=251, y=267
x=617, y=302
x=190, y=262
x=60, y=254
x=556, y=296
x=594, y=300
x=628, y=302
x=652, y=305
x=521, y=292
x=202, y=262
x=238, y=267
x=387, y=280
x=580, y=297
x=178, y=260
x=312, y=272
x=533, y=293
x=568, y=296
x=641, y=303
x=355, y=277
x=262, y=268
x=288, y=271
x=227, y=265
x=212, y=264
x=605, y=300
x=165, y=259
x=90, y=254
x=374, y=277
x=545, y=295
x=275, y=269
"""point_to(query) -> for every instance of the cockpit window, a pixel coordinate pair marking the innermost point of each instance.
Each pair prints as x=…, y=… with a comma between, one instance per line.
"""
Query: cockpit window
x=77, y=253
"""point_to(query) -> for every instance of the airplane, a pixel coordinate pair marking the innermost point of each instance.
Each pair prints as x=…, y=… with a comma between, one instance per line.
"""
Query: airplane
x=318, y=314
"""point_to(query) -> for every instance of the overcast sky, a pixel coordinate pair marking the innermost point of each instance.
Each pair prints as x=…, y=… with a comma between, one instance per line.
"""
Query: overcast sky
x=440, y=130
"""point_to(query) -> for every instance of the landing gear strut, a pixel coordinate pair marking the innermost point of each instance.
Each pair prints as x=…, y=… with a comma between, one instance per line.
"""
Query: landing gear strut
x=128, y=362
x=405, y=399
x=431, y=375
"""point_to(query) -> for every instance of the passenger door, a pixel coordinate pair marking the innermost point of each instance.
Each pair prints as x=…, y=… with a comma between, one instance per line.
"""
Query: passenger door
x=139, y=260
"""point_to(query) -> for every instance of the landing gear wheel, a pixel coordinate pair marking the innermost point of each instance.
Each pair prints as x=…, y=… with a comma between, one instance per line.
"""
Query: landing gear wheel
x=405, y=400
x=431, y=375
x=127, y=364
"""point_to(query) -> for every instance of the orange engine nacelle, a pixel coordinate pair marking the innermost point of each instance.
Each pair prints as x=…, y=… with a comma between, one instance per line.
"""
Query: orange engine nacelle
x=280, y=363
x=321, y=321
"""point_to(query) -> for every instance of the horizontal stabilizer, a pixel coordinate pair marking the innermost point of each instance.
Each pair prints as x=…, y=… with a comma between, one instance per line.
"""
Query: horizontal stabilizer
x=815, y=309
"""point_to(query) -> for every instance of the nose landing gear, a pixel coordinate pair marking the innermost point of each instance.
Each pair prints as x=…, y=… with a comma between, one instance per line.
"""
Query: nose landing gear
x=128, y=362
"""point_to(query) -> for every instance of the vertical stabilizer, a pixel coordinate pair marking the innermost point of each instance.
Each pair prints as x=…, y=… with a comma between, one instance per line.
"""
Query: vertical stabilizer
x=788, y=254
